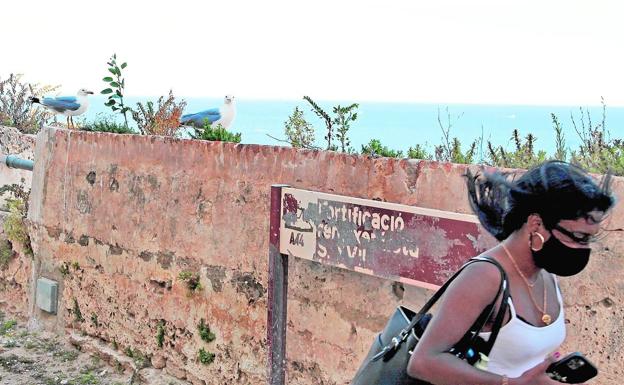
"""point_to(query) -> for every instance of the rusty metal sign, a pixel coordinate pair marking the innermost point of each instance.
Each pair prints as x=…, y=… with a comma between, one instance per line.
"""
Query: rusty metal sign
x=415, y=245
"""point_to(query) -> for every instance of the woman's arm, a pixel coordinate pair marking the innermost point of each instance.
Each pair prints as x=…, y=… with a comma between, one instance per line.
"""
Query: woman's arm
x=460, y=306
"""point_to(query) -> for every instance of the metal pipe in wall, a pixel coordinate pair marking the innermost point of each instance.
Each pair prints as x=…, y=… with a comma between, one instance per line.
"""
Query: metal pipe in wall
x=13, y=161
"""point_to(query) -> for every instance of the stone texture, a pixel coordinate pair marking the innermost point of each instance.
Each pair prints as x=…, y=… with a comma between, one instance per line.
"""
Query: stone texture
x=155, y=207
x=12, y=142
x=15, y=280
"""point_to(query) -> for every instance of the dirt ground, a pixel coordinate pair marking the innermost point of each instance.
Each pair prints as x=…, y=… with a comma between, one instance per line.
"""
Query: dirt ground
x=45, y=359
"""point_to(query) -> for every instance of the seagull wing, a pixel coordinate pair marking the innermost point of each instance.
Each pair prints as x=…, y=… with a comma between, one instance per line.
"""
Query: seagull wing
x=61, y=104
x=197, y=119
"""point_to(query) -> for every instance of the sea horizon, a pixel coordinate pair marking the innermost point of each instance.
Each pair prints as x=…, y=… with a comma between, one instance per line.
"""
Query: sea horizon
x=400, y=125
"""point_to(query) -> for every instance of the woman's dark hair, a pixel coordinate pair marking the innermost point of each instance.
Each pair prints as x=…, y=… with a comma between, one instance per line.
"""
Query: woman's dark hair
x=555, y=190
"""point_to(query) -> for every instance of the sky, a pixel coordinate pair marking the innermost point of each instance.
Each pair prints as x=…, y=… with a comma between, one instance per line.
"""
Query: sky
x=554, y=52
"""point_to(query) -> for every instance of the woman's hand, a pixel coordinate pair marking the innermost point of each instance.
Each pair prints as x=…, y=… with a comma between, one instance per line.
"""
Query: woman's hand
x=536, y=375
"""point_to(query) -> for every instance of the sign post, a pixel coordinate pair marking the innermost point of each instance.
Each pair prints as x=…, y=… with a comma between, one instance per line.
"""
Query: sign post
x=413, y=245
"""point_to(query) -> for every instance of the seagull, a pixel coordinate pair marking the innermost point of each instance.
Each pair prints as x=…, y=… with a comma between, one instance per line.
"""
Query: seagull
x=67, y=105
x=223, y=115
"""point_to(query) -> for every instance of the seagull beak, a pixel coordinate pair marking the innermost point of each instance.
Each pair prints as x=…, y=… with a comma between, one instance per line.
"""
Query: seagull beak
x=90, y=92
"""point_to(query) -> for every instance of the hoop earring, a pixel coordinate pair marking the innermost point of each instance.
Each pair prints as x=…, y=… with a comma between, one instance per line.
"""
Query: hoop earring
x=540, y=236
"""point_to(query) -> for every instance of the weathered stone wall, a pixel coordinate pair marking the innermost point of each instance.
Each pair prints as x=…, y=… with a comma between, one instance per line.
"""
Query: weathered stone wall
x=12, y=142
x=117, y=218
x=15, y=276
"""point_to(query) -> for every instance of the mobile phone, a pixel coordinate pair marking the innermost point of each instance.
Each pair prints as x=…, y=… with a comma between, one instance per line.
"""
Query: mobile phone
x=572, y=369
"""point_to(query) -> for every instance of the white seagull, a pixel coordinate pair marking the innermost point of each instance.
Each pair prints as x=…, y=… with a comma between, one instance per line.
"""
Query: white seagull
x=66, y=105
x=223, y=115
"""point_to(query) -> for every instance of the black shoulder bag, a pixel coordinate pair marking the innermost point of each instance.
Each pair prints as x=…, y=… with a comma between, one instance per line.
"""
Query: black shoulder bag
x=386, y=362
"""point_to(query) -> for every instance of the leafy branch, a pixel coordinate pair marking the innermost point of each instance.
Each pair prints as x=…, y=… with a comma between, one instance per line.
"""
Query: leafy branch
x=115, y=89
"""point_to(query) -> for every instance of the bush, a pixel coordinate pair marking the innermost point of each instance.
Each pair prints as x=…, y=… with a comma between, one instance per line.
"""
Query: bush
x=418, y=152
x=205, y=357
x=215, y=134
x=598, y=152
x=15, y=227
x=523, y=156
x=204, y=331
x=15, y=106
x=106, y=123
x=342, y=119
x=375, y=148
x=450, y=149
x=165, y=120
x=299, y=132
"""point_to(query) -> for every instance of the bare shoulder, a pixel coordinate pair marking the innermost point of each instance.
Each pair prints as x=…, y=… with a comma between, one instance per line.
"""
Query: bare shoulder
x=481, y=279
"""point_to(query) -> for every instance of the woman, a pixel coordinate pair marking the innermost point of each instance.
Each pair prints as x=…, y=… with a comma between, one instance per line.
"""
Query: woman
x=546, y=221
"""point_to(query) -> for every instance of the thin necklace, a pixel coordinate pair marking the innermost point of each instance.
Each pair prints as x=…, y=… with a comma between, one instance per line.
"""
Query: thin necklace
x=546, y=318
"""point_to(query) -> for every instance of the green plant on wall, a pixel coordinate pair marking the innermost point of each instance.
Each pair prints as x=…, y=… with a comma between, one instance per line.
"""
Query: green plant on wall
x=205, y=357
x=375, y=148
x=160, y=334
x=522, y=156
x=105, y=123
x=298, y=131
x=192, y=281
x=76, y=311
x=15, y=226
x=419, y=152
x=340, y=122
x=64, y=269
x=94, y=320
x=204, y=331
x=215, y=134
x=115, y=88
x=343, y=117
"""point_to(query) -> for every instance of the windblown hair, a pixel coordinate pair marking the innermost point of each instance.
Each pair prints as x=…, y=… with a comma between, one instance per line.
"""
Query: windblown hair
x=555, y=190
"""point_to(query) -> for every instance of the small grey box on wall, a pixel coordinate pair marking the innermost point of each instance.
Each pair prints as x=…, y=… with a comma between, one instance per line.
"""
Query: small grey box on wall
x=47, y=295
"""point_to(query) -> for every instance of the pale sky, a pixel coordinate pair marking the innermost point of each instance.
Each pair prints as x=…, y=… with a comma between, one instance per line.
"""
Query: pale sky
x=555, y=52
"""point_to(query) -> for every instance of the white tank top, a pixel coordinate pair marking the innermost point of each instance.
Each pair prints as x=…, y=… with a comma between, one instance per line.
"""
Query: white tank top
x=520, y=346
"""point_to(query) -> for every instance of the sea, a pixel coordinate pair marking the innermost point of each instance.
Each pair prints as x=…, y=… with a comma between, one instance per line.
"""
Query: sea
x=400, y=126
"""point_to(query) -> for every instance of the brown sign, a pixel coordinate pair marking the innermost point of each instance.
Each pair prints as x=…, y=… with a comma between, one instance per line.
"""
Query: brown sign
x=415, y=245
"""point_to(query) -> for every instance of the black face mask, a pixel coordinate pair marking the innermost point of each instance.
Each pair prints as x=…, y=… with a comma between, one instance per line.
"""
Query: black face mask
x=559, y=259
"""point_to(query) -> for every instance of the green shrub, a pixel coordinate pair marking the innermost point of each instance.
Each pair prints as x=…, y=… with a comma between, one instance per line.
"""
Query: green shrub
x=340, y=122
x=523, y=155
x=298, y=131
x=106, y=123
x=205, y=357
x=204, y=331
x=88, y=379
x=419, y=152
x=6, y=326
x=453, y=153
x=15, y=226
x=191, y=279
x=160, y=334
x=375, y=148
x=215, y=134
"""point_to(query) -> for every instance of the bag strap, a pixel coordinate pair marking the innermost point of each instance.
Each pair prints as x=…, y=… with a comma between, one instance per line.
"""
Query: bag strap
x=481, y=321
x=473, y=333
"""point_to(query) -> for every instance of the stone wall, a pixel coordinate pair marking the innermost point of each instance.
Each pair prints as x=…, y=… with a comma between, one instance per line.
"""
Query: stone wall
x=116, y=219
x=12, y=142
x=15, y=276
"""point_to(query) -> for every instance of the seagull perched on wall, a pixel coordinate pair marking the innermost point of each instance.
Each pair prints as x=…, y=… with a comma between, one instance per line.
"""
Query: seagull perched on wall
x=223, y=115
x=69, y=106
